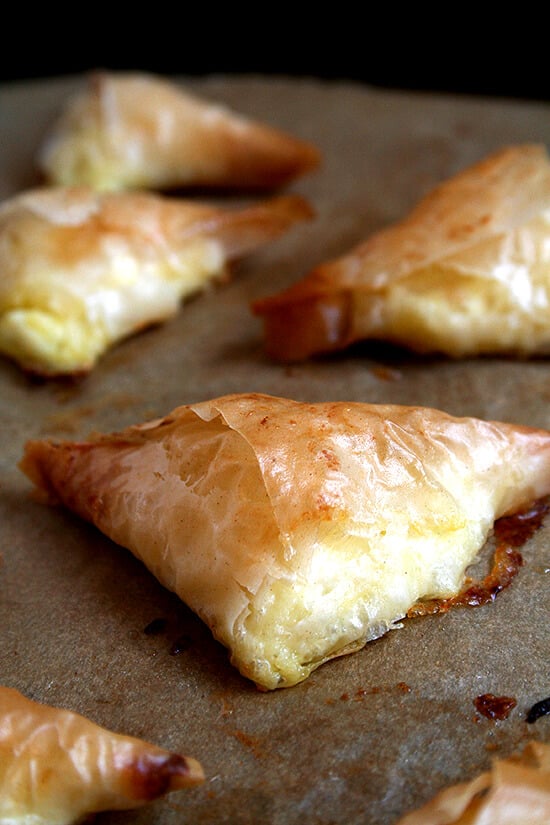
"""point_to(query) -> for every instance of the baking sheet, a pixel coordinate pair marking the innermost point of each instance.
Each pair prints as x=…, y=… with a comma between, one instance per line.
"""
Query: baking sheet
x=368, y=736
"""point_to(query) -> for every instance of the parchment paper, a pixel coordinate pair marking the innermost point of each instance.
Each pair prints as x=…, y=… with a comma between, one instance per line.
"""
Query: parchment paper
x=369, y=736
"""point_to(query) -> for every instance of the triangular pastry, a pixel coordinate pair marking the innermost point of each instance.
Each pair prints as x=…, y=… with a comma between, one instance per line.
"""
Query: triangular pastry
x=465, y=273
x=298, y=532
x=130, y=130
x=80, y=270
x=57, y=766
x=515, y=791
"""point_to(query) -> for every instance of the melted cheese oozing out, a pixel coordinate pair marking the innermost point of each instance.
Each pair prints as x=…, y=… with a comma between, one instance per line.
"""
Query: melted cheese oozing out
x=355, y=587
x=53, y=323
x=493, y=296
x=330, y=586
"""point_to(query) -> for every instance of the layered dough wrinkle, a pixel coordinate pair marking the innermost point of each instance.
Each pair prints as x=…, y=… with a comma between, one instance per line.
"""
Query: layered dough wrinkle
x=298, y=532
x=465, y=273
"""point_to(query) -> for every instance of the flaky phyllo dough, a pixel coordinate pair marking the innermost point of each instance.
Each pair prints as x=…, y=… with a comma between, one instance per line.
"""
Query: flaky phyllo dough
x=81, y=270
x=57, y=767
x=298, y=532
x=466, y=273
x=132, y=130
x=515, y=791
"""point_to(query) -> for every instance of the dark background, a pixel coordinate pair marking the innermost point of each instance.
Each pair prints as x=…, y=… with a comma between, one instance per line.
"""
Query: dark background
x=419, y=49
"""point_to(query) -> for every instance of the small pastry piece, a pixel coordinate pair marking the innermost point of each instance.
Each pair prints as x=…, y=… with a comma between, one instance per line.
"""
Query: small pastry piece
x=298, y=532
x=515, y=791
x=132, y=130
x=57, y=767
x=80, y=270
x=466, y=273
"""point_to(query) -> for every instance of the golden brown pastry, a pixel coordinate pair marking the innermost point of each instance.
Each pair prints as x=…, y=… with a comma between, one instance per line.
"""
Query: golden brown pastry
x=515, y=791
x=57, y=767
x=136, y=130
x=298, y=532
x=466, y=273
x=80, y=270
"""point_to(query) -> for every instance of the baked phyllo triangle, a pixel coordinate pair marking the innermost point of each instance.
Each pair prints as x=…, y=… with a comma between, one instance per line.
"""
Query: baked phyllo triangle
x=81, y=270
x=514, y=791
x=465, y=273
x=130, y=130
x=298, y=532
x=57, y=766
